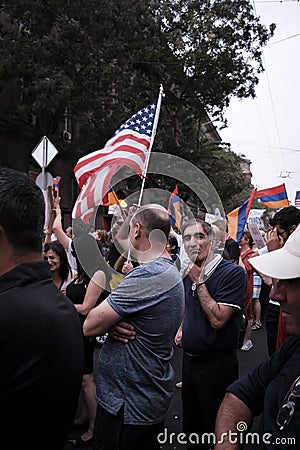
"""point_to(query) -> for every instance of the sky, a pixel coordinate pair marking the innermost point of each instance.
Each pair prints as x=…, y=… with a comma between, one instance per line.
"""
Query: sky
x=267, y=129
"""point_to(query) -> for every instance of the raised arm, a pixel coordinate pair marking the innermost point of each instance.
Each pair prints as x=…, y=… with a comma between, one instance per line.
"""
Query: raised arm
x=273, y=240
x=119, y=263
x=58, y=229
x=217, y=314
x=122, y=236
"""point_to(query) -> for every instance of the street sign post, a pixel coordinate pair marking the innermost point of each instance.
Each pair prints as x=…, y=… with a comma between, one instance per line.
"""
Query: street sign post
x=43, y=153
x=45, y=178
x=40, y=179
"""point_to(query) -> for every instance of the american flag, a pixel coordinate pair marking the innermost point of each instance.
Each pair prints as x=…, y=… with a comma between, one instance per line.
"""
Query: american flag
x=128, y=147
x=92, y=194
x=297, y=199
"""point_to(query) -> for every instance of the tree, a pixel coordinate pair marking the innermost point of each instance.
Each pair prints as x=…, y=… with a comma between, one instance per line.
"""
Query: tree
x=223, y=166
x=218, y=44
x=105, y=60
x=220, y=165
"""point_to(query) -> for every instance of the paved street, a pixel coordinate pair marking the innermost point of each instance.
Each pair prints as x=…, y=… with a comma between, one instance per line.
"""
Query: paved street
x=247, y=360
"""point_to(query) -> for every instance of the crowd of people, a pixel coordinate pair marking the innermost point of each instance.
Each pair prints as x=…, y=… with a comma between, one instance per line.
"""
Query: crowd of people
x=134, y=293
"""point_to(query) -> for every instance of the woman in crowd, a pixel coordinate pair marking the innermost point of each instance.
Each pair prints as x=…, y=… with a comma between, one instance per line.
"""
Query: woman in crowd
x=86, y=293
x=61, y=272
x=246, y=244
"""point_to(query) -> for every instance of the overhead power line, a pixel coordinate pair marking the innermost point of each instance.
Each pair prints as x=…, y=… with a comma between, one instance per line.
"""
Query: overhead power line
x=258, y=144
x=276, y=1
x=285, y=39
x=272, y=103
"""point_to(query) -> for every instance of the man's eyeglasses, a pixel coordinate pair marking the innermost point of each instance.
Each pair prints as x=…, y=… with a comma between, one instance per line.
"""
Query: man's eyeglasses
x=287, y=408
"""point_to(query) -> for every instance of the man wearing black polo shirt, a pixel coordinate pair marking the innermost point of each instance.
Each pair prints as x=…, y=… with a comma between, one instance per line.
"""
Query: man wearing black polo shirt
x=272, y=389
x=41, y=345
x=214, y=289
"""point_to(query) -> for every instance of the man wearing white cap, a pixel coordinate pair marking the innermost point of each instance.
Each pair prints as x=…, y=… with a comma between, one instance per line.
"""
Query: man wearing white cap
x=283, y=224
x=273, y=388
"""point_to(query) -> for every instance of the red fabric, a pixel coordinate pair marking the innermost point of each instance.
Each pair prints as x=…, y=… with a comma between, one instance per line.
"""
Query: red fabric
x=249, y=277
x=128, y=147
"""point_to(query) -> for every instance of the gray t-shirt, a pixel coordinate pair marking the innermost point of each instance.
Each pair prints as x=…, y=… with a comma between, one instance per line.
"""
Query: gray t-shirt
x=139, y=374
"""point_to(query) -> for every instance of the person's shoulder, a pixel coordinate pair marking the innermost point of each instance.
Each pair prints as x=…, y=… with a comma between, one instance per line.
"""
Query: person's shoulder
x=229, y=265
x=98, y=277
x=290, y=347
x=229, y=268
x=73, y=274
x=250, y=253
x=167, y=264
x=155, y=267
x=159, y=261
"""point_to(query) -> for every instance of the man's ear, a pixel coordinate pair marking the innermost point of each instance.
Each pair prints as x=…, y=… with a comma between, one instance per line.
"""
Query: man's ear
x=137, y=230
x=293, y=228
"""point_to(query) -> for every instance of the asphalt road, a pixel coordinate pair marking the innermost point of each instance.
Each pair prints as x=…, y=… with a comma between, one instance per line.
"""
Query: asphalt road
x=247, y=361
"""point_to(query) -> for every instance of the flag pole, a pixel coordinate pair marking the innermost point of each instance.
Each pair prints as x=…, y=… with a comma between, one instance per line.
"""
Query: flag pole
x=145, y=168
x=144, y=173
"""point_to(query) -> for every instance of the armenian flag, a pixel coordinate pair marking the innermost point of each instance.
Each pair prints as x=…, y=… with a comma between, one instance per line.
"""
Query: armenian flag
x=110, y=198
x=174, y=209
x=237, y=219
x=275, y=197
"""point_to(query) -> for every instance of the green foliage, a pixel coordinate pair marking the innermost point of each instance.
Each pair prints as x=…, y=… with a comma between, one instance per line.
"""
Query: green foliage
x=221, y=166
x=218, y=43
x=104, y=60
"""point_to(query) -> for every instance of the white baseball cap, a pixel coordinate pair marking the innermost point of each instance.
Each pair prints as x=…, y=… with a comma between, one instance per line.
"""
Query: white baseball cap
x=283, y=263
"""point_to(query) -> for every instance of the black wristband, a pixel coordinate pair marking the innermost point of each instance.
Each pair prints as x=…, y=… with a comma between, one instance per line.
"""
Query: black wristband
x=196, y=285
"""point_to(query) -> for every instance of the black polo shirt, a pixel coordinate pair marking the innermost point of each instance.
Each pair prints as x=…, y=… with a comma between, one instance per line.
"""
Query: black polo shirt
x=41, y=359
x=264, y=390
x=226, y=286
